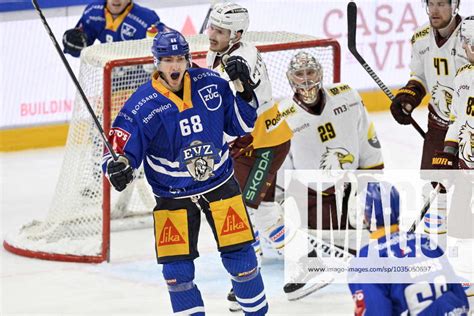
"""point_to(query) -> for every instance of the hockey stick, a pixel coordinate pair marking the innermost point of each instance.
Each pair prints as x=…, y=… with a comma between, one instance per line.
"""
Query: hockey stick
x=206, y=19
x=351, y=42
x=76, y=82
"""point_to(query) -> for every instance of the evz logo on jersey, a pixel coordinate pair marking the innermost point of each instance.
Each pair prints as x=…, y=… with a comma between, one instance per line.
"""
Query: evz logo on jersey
x=211, y=97
x=199, y=159
x=127, y=31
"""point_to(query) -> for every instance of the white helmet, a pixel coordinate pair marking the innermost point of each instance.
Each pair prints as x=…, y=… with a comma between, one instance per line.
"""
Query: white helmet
x=467, y=30
x=230, y=16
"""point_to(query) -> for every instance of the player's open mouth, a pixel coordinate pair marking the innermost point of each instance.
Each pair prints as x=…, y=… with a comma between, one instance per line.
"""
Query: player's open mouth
x=175, y=75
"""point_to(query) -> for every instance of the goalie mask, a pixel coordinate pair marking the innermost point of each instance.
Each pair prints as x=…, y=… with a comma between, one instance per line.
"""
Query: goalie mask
x=305, y=75
x=230, y=16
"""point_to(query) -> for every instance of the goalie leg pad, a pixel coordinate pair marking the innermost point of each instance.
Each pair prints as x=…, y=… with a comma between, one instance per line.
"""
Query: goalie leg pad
x=184, y=294
x=246, y=280
x=269, y=220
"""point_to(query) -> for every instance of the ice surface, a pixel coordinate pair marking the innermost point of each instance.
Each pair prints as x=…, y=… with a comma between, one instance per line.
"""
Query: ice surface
x=131, y=284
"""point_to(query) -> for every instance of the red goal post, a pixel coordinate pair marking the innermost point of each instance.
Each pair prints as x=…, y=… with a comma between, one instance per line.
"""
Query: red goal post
x=84, y=210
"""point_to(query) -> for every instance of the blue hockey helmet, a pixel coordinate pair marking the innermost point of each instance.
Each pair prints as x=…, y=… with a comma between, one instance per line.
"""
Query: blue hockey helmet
x=171, y=43
x=382, y=203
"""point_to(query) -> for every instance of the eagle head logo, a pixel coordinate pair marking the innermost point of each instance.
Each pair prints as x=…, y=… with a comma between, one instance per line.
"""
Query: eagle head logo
x=442, y=98
x=466, y=143
x=335, y=158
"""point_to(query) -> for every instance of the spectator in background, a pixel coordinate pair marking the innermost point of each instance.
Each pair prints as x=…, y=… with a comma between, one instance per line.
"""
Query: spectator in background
x=110, y=21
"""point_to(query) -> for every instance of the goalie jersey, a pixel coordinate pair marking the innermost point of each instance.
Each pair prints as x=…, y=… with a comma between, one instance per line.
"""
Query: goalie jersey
x=181, y=141
x=435, y=67
x=270, y=130
x=461, y=131
x=341, y=137
x=97, y=23
x=414, y=298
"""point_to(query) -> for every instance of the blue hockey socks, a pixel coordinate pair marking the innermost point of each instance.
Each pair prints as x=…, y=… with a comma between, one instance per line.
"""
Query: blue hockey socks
x=184, y=294
x=246, y=280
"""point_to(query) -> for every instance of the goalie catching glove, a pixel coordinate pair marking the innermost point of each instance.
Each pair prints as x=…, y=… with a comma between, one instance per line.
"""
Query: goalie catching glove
x=74, y=41
x=120, y=172
x=237, y=69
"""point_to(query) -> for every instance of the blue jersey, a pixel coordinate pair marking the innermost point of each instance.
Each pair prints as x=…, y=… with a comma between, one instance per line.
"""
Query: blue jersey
x=181, y=140
x=97, y=23
x=418, y=298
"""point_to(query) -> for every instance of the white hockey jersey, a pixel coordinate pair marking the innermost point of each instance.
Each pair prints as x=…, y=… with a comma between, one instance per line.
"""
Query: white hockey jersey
x=461, y=131
x=435, y=67
x=341, y=137
x=270, y=130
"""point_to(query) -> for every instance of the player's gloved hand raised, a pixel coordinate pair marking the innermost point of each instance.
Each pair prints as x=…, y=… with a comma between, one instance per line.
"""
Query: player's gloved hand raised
x=74, y=40
x=120, y=172
x=402, y=105
x=237, y=69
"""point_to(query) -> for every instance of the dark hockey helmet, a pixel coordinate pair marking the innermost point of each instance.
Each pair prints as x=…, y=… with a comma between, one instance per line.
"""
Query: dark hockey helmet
x=381, y=204
x=171, y=43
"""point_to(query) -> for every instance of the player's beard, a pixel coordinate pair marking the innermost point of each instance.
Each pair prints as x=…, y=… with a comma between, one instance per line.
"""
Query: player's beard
x=441, y=26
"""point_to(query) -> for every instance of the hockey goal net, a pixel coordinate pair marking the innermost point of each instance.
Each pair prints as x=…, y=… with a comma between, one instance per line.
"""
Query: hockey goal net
x=84, y=209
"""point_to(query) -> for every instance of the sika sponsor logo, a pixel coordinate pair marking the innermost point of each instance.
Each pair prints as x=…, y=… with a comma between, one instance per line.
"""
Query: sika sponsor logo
x=233, y=223
x=170, y=235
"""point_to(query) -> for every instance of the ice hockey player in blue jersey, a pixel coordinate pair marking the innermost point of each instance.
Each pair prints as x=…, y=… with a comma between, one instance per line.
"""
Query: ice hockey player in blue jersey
x=175, y=125
x=434, y=296
x=110, y=21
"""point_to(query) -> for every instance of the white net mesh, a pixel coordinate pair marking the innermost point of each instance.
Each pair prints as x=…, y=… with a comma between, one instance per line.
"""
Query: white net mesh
x=73, y=225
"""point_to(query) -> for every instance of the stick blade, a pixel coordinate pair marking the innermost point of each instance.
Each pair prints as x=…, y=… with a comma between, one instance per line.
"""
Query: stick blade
x=351, y=24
